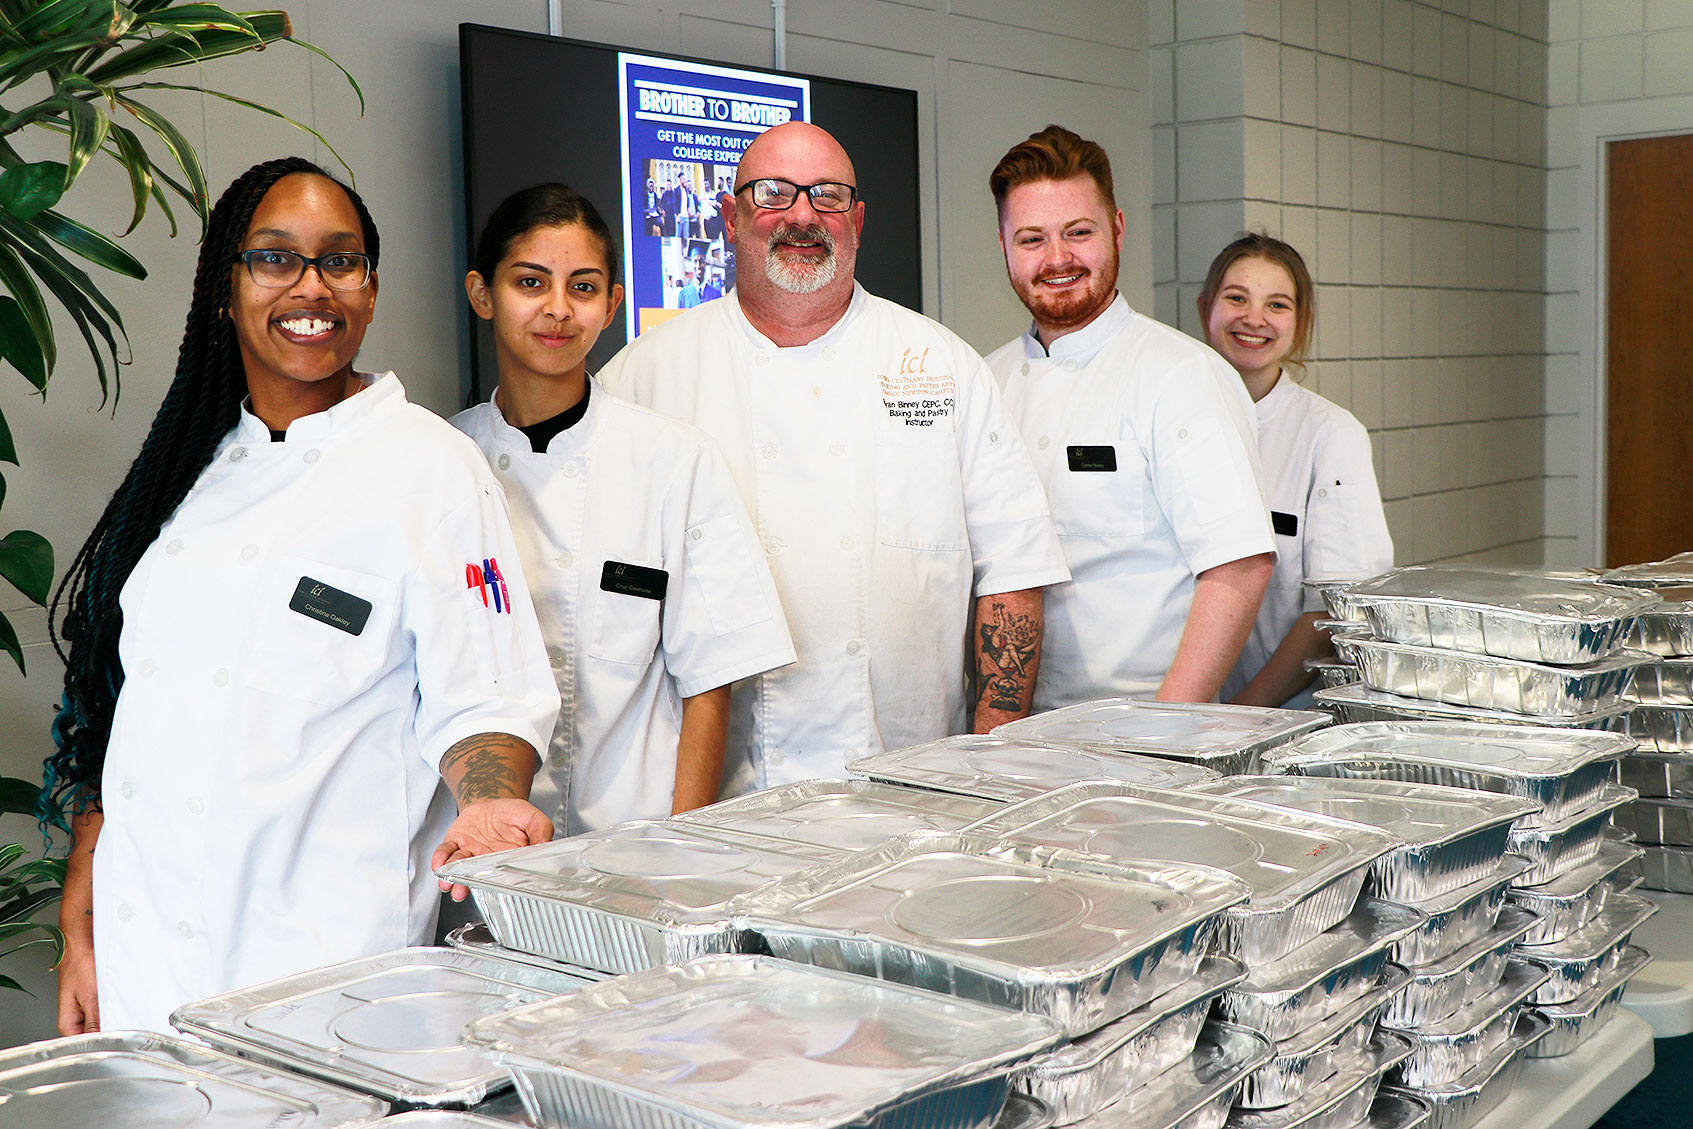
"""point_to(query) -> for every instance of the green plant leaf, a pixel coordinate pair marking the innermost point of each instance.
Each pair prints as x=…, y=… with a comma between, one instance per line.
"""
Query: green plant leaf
x=345, y=73
x=26, y=559
x=25, y=907
x=197, y=16
x=19, y=347
x=20, y=284
x=24, y=65
x=132, y=155
x=89, y=123
x=8, y=452
x=61, y=16
x=50, y=870
x=255, y=106
x=90, y=244
x=9, y=853
x=175, y=50
x=199, y=195
x=28, y=189
x=9, y=643
x=12, y=985
x=17, y=796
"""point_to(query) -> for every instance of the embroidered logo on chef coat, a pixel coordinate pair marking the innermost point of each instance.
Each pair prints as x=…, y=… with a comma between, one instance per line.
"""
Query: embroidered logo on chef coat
x=913, y=394
x=342, y=610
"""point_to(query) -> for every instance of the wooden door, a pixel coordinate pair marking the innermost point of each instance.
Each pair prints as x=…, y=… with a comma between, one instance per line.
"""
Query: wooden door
x=1649, y=349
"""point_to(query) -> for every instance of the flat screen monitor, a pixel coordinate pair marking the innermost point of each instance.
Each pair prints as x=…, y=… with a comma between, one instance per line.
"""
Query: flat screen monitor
x=653, y=141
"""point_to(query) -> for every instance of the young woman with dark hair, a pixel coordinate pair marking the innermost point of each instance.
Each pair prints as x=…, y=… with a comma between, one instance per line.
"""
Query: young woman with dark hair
x=272, y=660
x=645, y=569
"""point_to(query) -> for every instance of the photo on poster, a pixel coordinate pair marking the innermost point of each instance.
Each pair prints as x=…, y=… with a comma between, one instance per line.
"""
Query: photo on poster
x=684, y=127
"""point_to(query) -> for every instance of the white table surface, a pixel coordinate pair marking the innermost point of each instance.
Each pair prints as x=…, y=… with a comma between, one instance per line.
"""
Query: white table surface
x=1574, y=1091
x=1662, y=994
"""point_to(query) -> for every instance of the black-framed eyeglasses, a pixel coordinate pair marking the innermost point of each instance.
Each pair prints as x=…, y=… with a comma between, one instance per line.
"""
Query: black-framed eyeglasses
x=275, y=268
x=779, y=195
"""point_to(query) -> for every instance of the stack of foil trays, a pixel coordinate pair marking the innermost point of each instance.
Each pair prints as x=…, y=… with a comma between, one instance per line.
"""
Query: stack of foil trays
x=1228, y=740
x=1495, y=641
x=1661, y=719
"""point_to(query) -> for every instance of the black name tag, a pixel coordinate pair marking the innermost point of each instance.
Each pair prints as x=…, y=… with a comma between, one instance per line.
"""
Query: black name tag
x=316, y=600
x=634, y=580
x=1092, y=458
x=1285, y=524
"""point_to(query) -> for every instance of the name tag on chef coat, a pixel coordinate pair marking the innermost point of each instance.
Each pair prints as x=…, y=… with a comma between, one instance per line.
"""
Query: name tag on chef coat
x=1285, y=524
x=1092, y=458
x=634, y=580
x=341, y=610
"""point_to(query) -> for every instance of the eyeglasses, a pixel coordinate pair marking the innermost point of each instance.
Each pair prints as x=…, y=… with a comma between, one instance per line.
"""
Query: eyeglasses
x=779, y=195
x=276, y=268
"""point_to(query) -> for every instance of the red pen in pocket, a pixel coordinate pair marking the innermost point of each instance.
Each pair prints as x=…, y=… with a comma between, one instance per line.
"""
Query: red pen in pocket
x=502, y=594
x=473, y=579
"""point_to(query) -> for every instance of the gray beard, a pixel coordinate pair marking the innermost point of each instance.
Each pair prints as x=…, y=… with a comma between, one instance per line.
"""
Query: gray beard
x=800, y=278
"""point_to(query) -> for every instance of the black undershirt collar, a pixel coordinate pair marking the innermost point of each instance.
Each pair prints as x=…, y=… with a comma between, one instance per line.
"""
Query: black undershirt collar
x=541, y=434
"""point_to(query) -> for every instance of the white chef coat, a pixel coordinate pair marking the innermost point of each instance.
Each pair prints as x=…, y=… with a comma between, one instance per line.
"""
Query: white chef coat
x=625, y=486
x=271, y=788
x=1325, y=506
x=1173, y=419
x=888, y=485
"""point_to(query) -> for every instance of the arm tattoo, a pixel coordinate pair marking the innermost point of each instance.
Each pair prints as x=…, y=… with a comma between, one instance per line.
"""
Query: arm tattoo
x=1008, y=646
x=484, y=766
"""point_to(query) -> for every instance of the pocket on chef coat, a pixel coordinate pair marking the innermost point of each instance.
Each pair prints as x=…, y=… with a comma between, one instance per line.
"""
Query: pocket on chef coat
x=919, y=491
x=1215, y=478
x=1100, y=503
x=625, y=627
x=722, y=566
x=321, y=633
x=1336, y=539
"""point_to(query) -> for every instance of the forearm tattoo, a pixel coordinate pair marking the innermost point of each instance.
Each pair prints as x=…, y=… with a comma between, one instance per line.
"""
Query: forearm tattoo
x=1009, y=643
x=483, y=767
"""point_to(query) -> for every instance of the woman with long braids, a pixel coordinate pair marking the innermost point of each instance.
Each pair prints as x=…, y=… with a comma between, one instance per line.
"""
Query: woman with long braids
x=300, y=613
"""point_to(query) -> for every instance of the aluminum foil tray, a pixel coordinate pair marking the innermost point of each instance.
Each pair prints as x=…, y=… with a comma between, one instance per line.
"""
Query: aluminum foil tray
x=1309, y=1057
x=1195, y=1094
x=1460, y=916
x=387, y=1025
x=1671, y=572
x=1667, y=631
x=1023, y=1112
x=1332, y=672
x=1662, y=774
x=1451, y=836
x=1582, y=959
x=1465, y=1101
x=1487, y=682
x=1226, y=739
x=475, y=938
x=630, y=897
x=1082, y=939
x=506, y=1107
x=1661, y=822
x=1577, y=1021
x=1289, y=995
x=1563, y=771
x=1438, y=990
x=744, y=1042
x=139, y=1080
x=840, y=815
x=445, y=1119
x=1343, y=1100
x=1573, y=898
x=1556, y=848
x=1011, y=769
x=1511, y=615
x=1395, y=1111
x=1082, y=1077
x=1305, y=870
x=1664, y=682
x=1442, y=1052
x=1336, y=597
x=1356, y=702
x=1667, y=868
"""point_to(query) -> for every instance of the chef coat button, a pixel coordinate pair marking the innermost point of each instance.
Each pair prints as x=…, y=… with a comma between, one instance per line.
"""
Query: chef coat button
x=846, y=543
x=1025, y=368
x=837, y=447
x=124, y=912
x=1069, y=366
x=174, y=547
x=185, y=929
x=776, y=756
x=128, y=790
x=146, y=667
x=566, y=559
x=770, y=450
x=1043, y=443
x=505, y=462
x=1323, y=493
x=762, y=359
x=828, y=352
x=773, y=545
x=1181, y=433
x=313, y=455
x=854, y=647
x=237, y=454
x=695, y=534
x=221, y=677
x=993, y=437
x=196, y=806
x=248, y=552
x=571, y=470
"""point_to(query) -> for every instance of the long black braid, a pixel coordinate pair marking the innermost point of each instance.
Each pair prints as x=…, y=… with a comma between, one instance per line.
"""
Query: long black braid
x=202, y=404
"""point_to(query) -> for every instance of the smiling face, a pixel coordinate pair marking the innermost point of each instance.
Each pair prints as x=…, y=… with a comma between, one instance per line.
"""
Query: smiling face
x=1062, y=240
x=800, y=250
x=1252, y=321
x=298, y=342
x=549, y=300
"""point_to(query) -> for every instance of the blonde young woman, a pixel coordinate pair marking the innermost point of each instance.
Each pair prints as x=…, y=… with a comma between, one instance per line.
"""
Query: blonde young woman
x=1258, y=308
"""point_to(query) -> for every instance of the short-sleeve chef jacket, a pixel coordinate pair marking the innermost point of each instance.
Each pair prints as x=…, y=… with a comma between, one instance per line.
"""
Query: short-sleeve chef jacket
x=639, y=494
x=1325, y=507
x=271, y=787
x=888, y=485
x=1143, y=440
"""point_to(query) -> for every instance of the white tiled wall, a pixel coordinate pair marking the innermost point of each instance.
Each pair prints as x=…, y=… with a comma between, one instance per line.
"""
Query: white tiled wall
x=1399, y=146
x=1615, y=69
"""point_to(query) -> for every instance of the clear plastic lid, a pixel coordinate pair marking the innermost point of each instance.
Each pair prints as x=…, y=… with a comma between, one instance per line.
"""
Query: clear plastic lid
x=1422, y=815
x=1187, y=730
x=1012, y=769
x=843, y=815
x=1521, y=751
